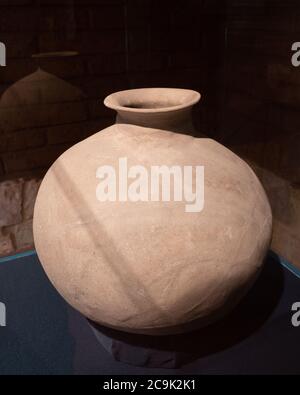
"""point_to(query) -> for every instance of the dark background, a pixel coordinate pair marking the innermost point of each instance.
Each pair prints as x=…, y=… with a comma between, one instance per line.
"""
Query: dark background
x=236, y=53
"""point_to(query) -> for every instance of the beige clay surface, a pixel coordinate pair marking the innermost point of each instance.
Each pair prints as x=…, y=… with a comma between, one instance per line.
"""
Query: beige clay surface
x=151, y=267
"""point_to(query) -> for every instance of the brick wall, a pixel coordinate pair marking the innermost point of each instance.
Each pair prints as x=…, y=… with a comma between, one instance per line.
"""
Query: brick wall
x=120, y=44
x=260, y=114
x=237, y=53
x=261, y=108
x=117, y=44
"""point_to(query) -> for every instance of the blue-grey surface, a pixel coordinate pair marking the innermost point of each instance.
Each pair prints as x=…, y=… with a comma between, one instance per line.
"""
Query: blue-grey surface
x=43, y=335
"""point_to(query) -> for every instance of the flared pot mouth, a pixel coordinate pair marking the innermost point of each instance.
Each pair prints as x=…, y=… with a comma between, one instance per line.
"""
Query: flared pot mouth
x=152, y=100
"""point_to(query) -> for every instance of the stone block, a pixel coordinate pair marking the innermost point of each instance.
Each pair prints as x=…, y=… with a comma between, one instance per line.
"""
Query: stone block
x=10, y=202
x=30, y=191
x=6, y=245
x=22, y=235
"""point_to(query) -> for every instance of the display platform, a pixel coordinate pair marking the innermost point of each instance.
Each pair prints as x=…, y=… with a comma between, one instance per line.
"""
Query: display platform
x=44, y=335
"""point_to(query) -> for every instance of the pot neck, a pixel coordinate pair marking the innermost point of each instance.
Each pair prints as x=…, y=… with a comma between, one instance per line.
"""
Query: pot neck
x=179, y=121
x=158, y=108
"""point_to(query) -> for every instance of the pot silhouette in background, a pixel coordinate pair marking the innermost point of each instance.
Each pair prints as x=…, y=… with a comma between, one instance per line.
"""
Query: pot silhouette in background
x=41, y=115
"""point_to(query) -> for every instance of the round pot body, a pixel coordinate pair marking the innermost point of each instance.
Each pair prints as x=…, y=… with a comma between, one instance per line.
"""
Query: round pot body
x=144, y=265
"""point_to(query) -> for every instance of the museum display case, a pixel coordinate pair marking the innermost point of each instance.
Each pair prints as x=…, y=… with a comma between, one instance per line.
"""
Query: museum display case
x=99, y=272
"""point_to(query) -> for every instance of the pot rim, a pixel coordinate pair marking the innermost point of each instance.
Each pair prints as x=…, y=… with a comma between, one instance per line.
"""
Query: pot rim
x=113, y=100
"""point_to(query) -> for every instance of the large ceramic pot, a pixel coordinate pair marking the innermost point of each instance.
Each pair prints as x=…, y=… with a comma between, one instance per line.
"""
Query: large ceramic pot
x=148, y=265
